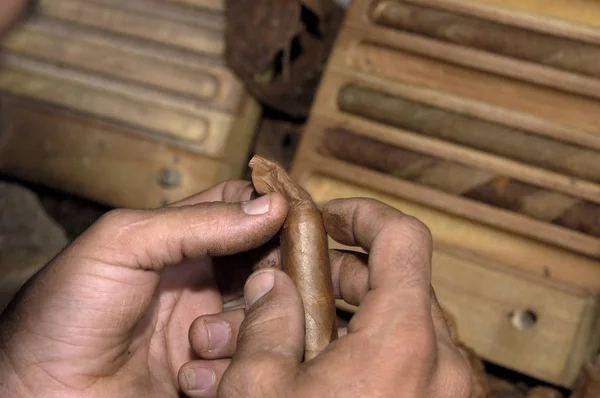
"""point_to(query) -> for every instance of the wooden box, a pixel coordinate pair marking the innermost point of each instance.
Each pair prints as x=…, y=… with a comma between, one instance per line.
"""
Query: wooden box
x=498, y=155
x=128, y=103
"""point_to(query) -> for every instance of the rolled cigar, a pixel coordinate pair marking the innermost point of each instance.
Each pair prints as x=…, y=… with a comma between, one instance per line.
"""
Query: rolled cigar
x=519, y=145
x=454, y=178
x=529, y=45
x=304, y=254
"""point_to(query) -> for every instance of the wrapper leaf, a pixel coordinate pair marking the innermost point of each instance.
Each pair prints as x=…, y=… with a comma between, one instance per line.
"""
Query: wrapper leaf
x=304, y=254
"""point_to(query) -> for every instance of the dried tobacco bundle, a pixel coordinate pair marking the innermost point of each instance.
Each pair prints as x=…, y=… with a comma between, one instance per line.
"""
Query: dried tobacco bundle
x=304, y=253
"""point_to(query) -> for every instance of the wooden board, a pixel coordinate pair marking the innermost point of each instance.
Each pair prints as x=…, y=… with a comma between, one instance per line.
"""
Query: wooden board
x=359, y=18
x=102, y=161
x=117, y=92
x=487, y=311
x=136, y=24
x=576, y=19
x=371, y=54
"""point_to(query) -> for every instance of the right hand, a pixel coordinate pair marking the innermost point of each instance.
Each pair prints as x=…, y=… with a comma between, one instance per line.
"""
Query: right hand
x=397, y=344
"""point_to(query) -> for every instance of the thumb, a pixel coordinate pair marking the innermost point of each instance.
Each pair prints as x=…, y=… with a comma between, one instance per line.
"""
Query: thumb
x=271, y=337
x=107, y=277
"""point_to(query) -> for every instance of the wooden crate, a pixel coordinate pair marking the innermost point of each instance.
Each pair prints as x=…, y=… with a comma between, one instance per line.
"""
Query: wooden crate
x=492, y=264
x=128, y=103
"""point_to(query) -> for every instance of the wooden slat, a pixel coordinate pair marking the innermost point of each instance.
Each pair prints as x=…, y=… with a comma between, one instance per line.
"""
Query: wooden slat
x=208, y=16
x=506, y=111
x=154, y=112
x=552, y=105
x=461, y=207
x=146, y=27
x=575, y=19
x=518, y=252
x=97, y=160
x=482, y=299
x=326, y=110
x=470, y=57
x=112, y=62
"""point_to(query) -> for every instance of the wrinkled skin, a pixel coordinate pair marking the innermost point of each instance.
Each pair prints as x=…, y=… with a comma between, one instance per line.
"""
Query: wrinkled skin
x=125, y=310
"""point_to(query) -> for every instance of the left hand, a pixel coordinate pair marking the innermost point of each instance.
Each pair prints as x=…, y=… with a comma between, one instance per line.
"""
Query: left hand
x=109, y=316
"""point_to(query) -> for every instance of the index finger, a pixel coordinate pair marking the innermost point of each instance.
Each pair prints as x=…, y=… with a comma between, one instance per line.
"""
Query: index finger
x=399, y=246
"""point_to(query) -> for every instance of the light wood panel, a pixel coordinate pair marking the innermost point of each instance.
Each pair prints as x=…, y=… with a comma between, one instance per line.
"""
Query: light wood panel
x=483, y=299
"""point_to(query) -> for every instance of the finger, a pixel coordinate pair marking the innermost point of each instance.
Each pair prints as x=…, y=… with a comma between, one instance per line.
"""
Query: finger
x=228, y=191
x=116, y=264
x=215, y=336
x=350, y=275
x=271, y=337
x=201, y=378
x=399, y=249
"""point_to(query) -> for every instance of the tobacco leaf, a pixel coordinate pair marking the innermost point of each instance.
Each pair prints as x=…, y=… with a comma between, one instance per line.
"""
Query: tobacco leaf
x=278, y=48
x=304, y=254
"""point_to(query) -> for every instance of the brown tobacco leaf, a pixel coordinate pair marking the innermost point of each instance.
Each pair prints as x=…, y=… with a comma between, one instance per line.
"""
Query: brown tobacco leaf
x=304, y=254
x=278, y=48
x=588, y=385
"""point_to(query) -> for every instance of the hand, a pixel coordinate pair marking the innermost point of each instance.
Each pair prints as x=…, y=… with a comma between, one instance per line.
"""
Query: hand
x=109, y=316
x=397, y=344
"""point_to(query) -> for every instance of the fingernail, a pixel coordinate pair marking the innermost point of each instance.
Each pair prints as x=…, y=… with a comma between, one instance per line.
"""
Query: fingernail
x=218, y=335
x=259, y=284
x=257, y=206
x=199, y=379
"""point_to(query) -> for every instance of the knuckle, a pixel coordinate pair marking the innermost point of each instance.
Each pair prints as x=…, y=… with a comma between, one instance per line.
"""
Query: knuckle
x=115, y=218
x=271, y=316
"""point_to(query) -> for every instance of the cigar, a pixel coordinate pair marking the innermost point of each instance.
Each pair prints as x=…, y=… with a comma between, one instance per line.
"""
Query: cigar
x=529, y=45
x=497, y=190
x=304, y=254
x=511, y=143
